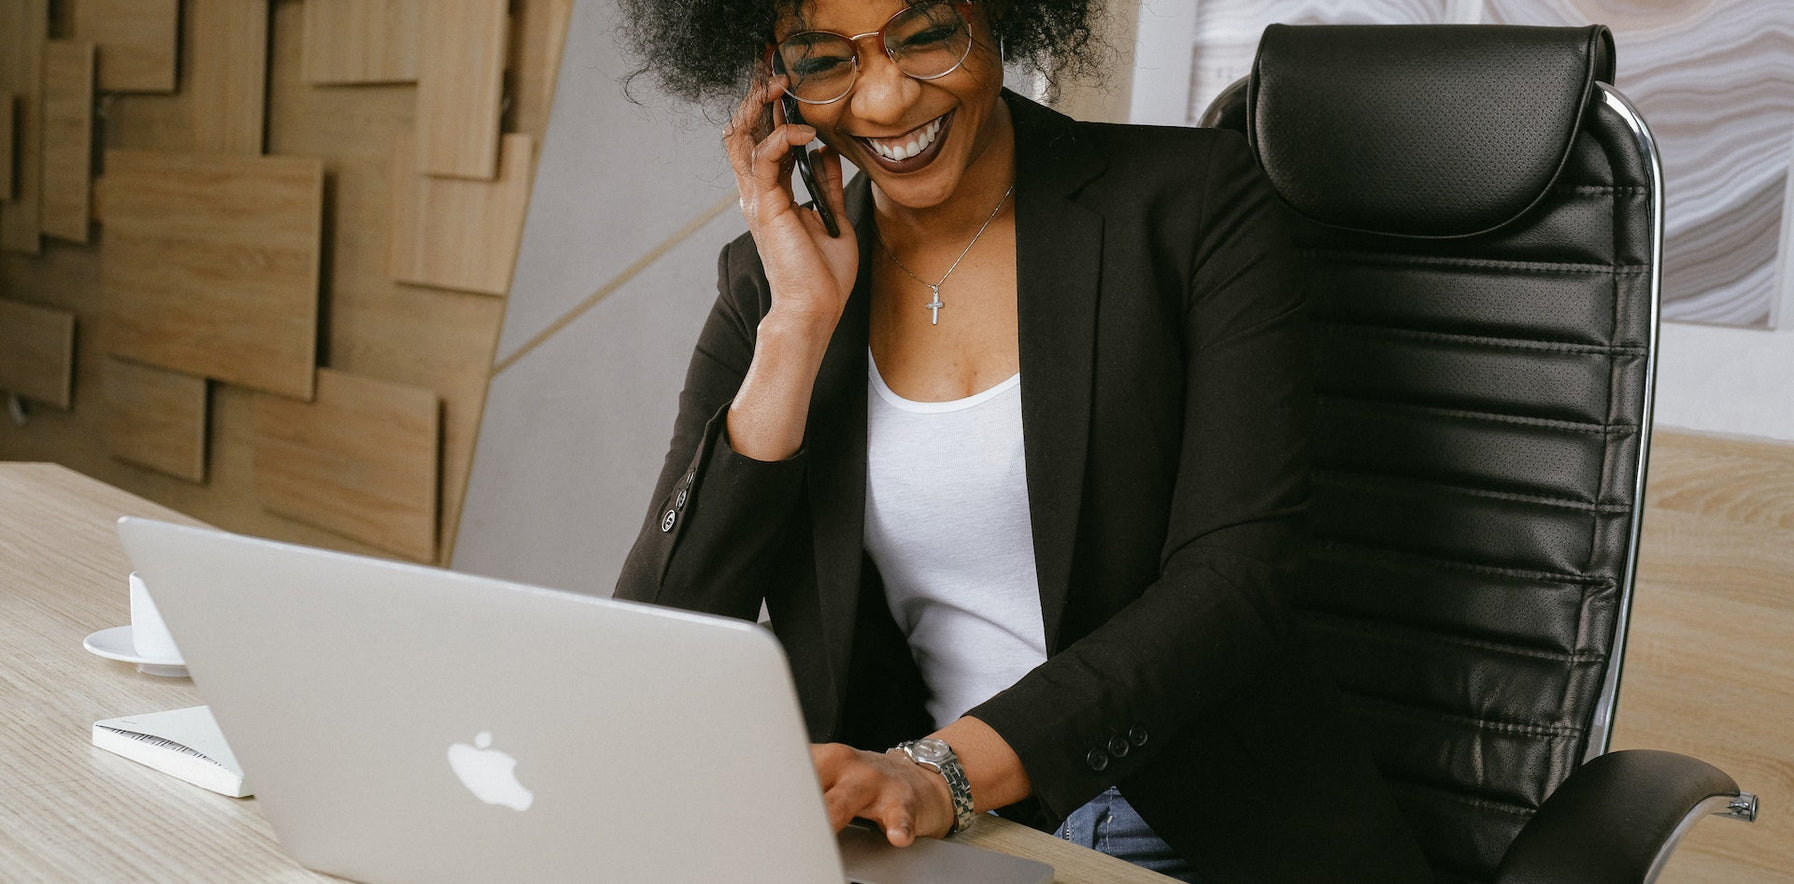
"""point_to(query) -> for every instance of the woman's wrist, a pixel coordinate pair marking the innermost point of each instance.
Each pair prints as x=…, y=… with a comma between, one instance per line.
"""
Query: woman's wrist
x=993, y=769
x=768, y=417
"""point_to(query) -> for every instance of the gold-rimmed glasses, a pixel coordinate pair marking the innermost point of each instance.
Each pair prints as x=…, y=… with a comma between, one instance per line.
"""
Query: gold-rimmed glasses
x=926, y=41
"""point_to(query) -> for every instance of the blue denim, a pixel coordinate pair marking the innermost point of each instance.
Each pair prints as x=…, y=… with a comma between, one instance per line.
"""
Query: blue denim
x=1111, y=825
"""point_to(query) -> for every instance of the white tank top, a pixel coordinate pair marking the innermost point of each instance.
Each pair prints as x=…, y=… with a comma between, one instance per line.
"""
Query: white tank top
x=947, y=525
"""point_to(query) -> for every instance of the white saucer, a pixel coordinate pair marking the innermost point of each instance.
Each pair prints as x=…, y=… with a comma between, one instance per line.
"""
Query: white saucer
x=116, y=644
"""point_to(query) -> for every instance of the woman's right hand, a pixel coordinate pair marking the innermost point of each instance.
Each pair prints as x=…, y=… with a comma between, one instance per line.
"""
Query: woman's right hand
x=811, y=273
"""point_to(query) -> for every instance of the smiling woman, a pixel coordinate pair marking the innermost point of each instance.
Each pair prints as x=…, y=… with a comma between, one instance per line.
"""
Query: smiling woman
x=1015, y=456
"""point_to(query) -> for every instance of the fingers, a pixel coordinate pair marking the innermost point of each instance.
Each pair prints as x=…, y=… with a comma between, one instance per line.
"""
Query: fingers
x=889, y=791
x=759, y=143
x=828, y=173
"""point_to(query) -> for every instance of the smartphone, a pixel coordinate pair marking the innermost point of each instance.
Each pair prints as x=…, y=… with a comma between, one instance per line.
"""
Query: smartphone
x=805, y=169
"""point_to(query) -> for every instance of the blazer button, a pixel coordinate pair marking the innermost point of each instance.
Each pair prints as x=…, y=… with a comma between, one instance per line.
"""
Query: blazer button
x=1137, y=735
x=1118, y=747
x=666, y=522
x=1098, y=760
x=679, y=499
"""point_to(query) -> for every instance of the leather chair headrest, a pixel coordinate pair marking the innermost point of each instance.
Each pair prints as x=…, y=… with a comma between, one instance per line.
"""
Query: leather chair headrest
x=1420, y=130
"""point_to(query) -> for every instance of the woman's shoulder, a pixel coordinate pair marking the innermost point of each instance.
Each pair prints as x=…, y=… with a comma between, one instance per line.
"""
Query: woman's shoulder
x=1170, y=155
x=1128, y=158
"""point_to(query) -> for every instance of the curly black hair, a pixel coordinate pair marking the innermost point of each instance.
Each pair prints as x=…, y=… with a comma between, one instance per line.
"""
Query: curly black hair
x=705, y=51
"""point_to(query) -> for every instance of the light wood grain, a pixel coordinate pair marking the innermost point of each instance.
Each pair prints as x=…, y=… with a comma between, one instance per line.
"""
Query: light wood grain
x=9, y=121
x=459, y=234
x=538, y=35
x=73, y=813
x=37, y=353
x=228, y=74
x=362, y=460
x=1709, y=668
x=370, y=324
x=24, y=28
x=460, y=86
x=68, y=139
x=156, y=418
x=137, y=40
x=211, y=265
x=361, y=41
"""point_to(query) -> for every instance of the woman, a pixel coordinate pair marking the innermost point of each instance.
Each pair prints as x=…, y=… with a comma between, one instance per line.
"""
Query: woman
x=1016, y=463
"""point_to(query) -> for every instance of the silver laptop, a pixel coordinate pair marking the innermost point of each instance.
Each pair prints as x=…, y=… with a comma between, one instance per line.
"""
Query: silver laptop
x=404, y=723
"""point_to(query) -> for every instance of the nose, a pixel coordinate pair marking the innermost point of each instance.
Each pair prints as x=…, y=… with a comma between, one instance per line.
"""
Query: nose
x=882, y=93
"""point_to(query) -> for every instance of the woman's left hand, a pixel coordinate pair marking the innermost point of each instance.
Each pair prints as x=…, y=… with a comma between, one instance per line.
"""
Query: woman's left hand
x=905, y=799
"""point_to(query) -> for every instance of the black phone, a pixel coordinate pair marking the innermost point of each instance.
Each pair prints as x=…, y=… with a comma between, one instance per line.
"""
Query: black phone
x=805, y=169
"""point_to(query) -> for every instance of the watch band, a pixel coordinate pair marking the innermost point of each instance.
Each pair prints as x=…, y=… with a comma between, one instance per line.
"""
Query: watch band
x=939, y=757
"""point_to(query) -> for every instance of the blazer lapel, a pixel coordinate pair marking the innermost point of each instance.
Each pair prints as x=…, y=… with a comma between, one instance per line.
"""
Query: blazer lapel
x=1058, y=272
x=837, y=443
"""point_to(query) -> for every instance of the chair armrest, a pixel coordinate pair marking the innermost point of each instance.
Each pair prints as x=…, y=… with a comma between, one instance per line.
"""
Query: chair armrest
x=1616, y=819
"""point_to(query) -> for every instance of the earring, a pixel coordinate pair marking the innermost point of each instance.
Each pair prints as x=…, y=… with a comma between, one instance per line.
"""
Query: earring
x=1002, y=49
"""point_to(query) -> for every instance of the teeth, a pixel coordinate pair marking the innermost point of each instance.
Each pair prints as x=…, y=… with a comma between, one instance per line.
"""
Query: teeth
x=899, y=152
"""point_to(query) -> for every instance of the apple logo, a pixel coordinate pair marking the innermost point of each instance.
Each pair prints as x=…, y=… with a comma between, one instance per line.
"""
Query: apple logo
x=488, y=773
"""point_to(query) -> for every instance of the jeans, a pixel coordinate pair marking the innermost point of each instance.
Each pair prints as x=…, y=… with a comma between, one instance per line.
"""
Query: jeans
x=1110, y=825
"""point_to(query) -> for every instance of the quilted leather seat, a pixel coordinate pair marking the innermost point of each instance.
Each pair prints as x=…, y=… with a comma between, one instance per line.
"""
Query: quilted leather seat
x=1480, y=218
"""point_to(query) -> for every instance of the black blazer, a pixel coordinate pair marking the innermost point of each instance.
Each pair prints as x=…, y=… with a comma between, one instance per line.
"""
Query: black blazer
x=1165, y=409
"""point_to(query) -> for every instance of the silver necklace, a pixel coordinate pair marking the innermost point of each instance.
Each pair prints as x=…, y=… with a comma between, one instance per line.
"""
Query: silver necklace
x=934, y=306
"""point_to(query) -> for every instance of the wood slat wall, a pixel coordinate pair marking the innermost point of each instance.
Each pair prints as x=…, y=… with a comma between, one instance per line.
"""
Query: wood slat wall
x=360, y=461
x=361, y=41
x=37, y=353
x=1709, y=667
x=227, y=80
x=24, y=28
x=9, y=121
x=68, y=139
x=369, y=324
x=460, y=86
x=211, y=265
x=138, y=42
x=156, y=418
x=457, y=233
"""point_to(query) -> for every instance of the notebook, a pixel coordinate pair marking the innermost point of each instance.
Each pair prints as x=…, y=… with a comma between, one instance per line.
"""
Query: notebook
x=405, y=723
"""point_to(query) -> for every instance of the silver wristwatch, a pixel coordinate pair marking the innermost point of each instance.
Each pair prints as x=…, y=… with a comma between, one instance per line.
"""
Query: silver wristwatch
x=937, y=756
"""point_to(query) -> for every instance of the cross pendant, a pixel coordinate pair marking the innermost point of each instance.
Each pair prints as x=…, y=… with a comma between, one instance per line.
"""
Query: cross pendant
x=935, y=305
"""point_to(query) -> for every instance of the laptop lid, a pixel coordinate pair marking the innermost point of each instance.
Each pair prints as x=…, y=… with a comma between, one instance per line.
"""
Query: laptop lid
x=370, y=701
x=404, y=723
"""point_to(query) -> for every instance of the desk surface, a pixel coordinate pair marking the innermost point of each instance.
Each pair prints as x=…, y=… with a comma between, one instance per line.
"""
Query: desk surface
x=70, y=812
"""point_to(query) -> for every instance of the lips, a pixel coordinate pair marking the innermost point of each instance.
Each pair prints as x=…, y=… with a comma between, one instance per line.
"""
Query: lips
x=913, y=149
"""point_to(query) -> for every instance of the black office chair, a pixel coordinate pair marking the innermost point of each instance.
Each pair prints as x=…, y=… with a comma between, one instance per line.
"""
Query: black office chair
x=1480, y=216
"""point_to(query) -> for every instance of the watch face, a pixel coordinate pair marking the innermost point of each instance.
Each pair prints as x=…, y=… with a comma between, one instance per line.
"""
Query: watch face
x=931, y=750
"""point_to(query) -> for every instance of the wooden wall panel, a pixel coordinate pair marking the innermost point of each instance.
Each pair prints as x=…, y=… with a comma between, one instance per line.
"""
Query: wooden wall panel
x=455, y=233
x=363, y=460
x=138, y=42
x=361, y=41
x=228, y=74
x=9, y=110
x=538, y=33
x=156, y=418
x=37, y=353
x=68, y=139
x=1709, y=668
x=24, y=28
x=211, y=265
x=460, y=86
x=369, y=324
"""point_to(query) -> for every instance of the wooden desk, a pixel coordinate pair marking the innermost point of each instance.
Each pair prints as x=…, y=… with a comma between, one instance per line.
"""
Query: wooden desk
x=70, y=812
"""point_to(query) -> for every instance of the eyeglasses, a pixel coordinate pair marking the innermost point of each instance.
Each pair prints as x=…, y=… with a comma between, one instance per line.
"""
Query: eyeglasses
x=926, y=41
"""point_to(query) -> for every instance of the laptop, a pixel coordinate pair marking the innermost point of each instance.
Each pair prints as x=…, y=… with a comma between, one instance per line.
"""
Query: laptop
x=410, y=724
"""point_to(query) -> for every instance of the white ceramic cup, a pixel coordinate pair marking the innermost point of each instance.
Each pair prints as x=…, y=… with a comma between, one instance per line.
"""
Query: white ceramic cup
x=148, y=633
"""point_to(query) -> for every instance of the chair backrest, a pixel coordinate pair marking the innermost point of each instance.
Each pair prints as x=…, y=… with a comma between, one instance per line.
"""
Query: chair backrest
x=1480, y=216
